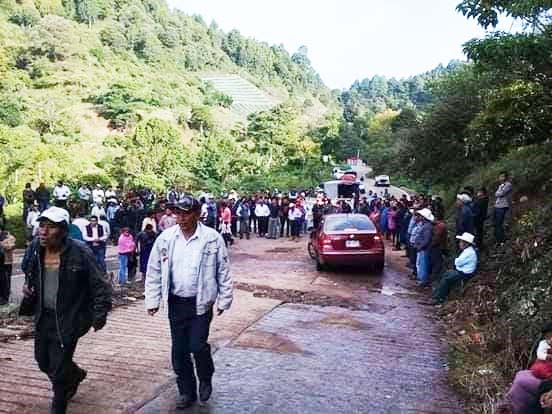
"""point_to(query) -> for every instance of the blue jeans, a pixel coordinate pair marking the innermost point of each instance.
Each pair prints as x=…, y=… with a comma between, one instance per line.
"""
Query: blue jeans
x=422, y=266
x=499, y=214
x=123, y=268
x=99, y=254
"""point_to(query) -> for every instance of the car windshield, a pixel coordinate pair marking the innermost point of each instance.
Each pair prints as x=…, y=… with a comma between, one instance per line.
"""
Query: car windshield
x=353, y=222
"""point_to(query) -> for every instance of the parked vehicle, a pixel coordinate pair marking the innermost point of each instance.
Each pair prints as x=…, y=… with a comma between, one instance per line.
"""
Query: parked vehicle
x=382, y=181
x=347, y=239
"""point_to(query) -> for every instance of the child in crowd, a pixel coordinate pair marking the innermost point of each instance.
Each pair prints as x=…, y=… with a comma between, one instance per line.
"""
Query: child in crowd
x=542, y=367
x=125, y=247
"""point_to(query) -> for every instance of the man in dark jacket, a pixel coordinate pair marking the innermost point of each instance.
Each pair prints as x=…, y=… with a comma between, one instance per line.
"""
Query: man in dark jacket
x=464, y=214
x=68, y=293
x=481, y=213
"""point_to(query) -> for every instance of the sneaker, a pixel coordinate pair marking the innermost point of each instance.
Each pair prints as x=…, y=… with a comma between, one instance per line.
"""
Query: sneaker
x=205, y=390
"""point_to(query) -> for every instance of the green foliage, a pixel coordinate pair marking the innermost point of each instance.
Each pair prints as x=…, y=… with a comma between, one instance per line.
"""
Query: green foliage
x=201, y=119
x=212, y=97
x=25, y=16
x=153, y=156
x=11, y=110
x=119, y=104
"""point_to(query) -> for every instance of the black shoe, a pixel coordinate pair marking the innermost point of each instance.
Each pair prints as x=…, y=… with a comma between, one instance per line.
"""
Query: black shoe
x=205, y=390
x=72, y=390
x=184, y=401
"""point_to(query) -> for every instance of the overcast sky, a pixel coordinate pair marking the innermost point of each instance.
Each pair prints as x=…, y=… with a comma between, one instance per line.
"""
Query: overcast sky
x=350, y=39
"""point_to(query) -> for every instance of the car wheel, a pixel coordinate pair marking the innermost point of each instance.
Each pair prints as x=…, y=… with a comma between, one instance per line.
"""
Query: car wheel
x=378, y=267
x=312, y=252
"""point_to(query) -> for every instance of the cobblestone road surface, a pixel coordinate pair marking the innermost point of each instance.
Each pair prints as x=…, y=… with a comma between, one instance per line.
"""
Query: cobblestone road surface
x=295, y=341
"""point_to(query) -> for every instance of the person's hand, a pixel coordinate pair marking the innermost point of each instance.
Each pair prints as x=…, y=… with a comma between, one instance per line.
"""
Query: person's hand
x=219, y=312
x=98, y=324
x=153, y=311
x=28, y=292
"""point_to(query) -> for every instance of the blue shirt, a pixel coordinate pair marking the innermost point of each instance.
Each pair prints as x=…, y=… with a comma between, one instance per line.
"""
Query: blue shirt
x=466, y=262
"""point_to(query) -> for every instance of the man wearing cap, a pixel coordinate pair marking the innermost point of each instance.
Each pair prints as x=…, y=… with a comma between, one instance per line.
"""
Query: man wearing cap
x=188, y=268
x=67, y=293
x=465, y=266
x=422, y=244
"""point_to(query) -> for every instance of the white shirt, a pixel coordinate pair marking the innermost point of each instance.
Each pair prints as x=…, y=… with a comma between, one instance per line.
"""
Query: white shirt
x=81, y=223
x=185, y=263
x=110, y=194
x=98, y=196
x=94, y=237
x=97, y=211
x=542, y=350
x=31, y=217
x=61, y=193
x=84, y=193
x=107, y=228
x=466, y=262
x=262, y=210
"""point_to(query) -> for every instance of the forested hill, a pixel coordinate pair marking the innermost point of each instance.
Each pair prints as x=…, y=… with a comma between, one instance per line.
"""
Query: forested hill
x=112, y=91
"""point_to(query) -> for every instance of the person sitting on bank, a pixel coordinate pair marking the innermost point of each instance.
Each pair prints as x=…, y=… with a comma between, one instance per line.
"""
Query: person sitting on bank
x=465, y=266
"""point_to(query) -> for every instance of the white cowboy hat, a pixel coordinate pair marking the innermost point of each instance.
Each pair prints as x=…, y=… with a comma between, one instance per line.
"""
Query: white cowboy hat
x=464, y=198
x=467, y=237
x=427, y=214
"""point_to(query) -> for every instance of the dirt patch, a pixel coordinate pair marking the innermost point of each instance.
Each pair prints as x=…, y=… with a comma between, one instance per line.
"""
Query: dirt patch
x=282, y=250
x=345, y=320
x=268, y=340
x=297, y=296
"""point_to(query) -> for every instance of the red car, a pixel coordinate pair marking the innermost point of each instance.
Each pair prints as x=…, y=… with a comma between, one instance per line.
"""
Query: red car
x=347, y=239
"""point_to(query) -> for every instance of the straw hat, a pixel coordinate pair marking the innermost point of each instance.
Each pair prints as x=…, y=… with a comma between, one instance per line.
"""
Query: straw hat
x=467, y=237
x=427, y=214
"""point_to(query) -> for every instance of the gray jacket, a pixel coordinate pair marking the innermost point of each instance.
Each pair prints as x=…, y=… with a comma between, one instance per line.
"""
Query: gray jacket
x=503, y=195
x=214, y=280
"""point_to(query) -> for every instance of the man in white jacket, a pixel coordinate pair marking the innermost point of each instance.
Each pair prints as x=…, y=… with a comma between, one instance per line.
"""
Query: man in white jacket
x=188, y=268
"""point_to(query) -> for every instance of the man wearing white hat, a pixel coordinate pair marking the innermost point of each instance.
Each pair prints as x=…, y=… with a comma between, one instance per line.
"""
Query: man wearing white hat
x=422, y=244
x=67, y=293
x=465, y=266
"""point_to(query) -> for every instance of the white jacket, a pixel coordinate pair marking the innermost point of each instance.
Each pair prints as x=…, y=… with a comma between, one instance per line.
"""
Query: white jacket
x=214, y=280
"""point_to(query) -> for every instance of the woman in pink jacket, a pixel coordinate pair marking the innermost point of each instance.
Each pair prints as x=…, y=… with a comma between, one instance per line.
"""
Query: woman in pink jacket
x=125, y=247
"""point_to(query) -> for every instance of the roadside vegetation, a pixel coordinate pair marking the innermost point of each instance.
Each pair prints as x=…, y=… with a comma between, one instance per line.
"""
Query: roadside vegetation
x=110, y=91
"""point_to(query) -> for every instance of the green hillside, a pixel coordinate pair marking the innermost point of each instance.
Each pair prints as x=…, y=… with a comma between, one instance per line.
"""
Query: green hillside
x=87, y=87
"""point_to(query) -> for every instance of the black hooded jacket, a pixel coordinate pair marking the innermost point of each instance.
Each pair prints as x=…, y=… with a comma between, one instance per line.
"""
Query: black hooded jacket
x=84, y=294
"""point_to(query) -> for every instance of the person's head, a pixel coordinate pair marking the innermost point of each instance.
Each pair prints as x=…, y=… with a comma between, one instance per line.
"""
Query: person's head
x=60, y=182
x=503, y=176
x=547, y=333
x=125, y=231
x=188, y=210
x=53, y=227
x=148, y=228
x=93, y=221
x=28, y=186
x=168, y=211
x=482, y=192
x=465, y=240
x=462, y=199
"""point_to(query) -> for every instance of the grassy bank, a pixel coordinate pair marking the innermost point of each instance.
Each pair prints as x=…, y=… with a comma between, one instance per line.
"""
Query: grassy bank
x=494, y=323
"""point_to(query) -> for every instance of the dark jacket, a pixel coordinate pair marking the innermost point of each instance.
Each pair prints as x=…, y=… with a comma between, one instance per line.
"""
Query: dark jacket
x=84, y=294
x=464, y=220
x=423, y=238
x=481, y=210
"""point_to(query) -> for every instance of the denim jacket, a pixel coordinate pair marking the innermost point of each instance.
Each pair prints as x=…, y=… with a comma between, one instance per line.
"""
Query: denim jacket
x=214, y=280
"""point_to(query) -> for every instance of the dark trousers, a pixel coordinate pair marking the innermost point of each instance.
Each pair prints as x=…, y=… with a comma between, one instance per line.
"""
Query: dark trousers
x=284, y=221
x=253, y=222
x=479, y=234
x=412, y=256
x=448, y=280
x=436, y=262
x=61, y=203
x=54, y=360
x=263, y=225
x=5, y=282
x=499, y=214
x=189, y=333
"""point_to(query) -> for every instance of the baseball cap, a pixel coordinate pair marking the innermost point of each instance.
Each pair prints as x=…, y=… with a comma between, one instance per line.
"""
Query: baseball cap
x=187, y=203
x=55, y=214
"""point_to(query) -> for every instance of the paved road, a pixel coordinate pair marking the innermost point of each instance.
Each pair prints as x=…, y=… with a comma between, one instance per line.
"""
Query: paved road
x=295, y=341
